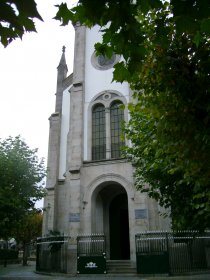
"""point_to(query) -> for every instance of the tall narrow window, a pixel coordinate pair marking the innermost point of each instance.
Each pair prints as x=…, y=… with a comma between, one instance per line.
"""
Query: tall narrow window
x=98, y=133
x=116, y=120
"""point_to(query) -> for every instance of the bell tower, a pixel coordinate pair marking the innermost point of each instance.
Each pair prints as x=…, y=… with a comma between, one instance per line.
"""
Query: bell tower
x=90, y=185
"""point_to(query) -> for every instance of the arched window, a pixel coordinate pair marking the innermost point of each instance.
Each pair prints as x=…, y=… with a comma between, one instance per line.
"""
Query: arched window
x=116, y=120
x=98, y=132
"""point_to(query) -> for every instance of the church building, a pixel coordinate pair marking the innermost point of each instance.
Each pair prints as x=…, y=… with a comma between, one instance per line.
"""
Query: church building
x=90, y=185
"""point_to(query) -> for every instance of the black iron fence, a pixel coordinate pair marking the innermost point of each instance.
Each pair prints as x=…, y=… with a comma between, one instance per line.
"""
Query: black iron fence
x=173, y=252
x=52, y=254
x=91, y=254
x=93, y=244
x=152, y=253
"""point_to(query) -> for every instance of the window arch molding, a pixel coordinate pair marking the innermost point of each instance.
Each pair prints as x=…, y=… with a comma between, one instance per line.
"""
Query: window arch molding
x=105, y=98
x=112, y=95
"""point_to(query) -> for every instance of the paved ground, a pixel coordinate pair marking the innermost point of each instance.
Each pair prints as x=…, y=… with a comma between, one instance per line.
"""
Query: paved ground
x=19, y=272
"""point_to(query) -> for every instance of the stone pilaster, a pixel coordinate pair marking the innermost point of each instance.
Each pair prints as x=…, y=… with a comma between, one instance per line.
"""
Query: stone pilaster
x=75, y=144
x=79, y=54
x=52, y=173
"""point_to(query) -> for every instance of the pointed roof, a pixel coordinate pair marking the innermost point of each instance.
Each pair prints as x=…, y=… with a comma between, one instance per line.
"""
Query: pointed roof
x=63, y=58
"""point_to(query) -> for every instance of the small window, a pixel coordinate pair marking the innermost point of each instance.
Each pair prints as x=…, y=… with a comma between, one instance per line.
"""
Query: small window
x=102, y=62
x=105, y=61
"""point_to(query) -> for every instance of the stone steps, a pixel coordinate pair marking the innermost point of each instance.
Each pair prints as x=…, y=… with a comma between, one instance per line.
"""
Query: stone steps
x=120, y=267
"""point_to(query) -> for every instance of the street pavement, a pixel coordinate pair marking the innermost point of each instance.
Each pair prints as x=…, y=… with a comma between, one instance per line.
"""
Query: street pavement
x=19, y=272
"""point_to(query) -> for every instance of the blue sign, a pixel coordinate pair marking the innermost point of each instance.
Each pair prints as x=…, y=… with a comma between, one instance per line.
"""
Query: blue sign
x=140, y=214
x=74, y=217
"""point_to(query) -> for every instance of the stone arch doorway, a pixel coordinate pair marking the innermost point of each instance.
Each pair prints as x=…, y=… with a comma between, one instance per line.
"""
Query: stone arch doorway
x=109, y=214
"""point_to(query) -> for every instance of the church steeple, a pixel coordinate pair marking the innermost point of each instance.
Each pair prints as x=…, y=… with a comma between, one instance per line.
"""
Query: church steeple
x=61, y=75
x=62, y=65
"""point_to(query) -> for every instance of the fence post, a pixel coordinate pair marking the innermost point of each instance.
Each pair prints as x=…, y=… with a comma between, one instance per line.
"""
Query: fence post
x=168, y=252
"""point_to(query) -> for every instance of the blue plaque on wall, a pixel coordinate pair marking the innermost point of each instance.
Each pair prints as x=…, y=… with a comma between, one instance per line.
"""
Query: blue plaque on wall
x=140, y=214
x=74, y=217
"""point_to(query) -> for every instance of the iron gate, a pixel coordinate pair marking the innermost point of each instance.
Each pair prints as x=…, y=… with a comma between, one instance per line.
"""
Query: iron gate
x=91, y=254
x=152, y=253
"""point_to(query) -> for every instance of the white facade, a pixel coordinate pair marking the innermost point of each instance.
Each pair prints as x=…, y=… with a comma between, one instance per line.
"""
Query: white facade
x=99, y=193
x=97, y=81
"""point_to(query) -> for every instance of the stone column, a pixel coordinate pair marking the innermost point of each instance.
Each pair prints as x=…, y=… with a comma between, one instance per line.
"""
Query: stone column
x=50, y=204
x=75, y=145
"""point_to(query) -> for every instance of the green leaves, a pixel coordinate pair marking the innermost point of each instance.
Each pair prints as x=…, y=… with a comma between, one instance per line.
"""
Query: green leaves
x=21, y=182
x=121, y=73
x=205, y=26
x=169, y=132
x=186, y=24
x=16, y=18
x=64, y=14
x=192, y=17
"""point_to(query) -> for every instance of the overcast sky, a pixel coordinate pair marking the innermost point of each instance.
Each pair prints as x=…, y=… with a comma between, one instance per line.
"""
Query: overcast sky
x=28, y=74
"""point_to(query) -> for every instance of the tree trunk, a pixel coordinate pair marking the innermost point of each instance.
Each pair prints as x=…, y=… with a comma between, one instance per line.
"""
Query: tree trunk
x=25, y=255
x=5, y=261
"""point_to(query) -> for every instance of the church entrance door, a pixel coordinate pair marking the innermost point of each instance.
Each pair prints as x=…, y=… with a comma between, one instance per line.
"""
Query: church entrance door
x=109, y=214
x=119, y=228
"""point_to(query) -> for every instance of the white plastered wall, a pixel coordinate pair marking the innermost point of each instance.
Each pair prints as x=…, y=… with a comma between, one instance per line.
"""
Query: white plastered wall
x=97, y=81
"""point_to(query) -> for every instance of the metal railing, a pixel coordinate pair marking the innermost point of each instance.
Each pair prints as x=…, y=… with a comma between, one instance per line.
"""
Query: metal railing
x=51, y=254
x=153, y=241
x=189, y=251
x=89, y=245
x=185, y=251
x=91, y=254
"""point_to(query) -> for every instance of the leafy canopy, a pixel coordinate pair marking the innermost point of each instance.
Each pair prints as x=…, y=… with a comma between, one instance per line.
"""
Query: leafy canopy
x=30, y=227
x=21, y=183
x=16, y=18
x=122, y=26
x=169, y=129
